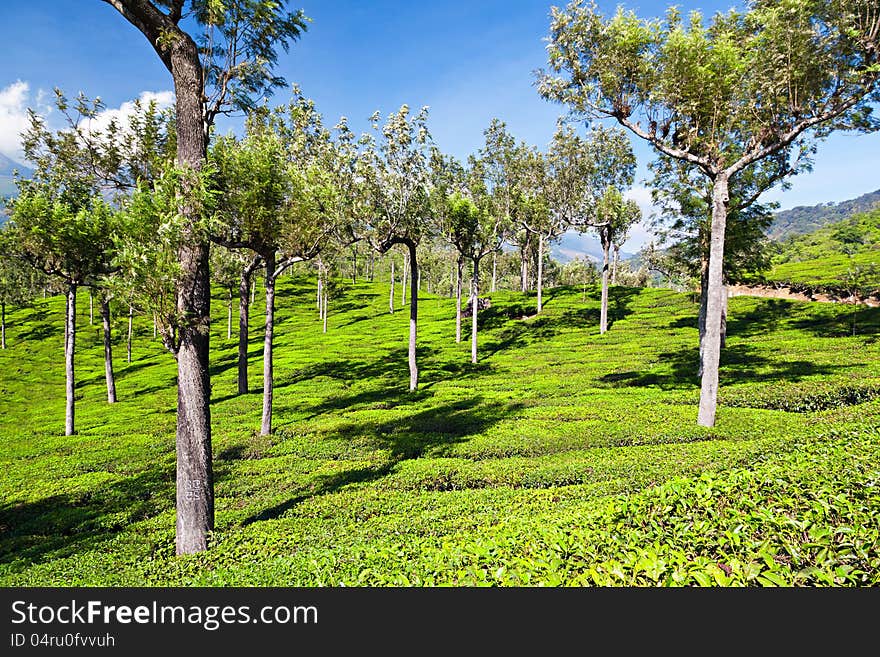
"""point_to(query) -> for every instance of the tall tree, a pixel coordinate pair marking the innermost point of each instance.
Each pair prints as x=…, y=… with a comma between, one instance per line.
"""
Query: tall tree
x=67, y=233
x=721, y=97
x=395, y=171
x=614, y=216
x=229, y=68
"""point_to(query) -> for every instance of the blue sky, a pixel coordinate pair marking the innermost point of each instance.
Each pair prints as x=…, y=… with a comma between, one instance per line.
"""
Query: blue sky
x=468, y=61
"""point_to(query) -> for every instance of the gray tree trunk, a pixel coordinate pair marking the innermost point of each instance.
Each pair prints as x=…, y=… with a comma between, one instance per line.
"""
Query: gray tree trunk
x=524, y=268
x=614, y=266
x=458, y=281
x=325, y=303
x=403, y=275
x=413, y=317
x=320, y=297
x=606, y=244
x=195, y=476
x=243, y=323
x=354, y=264
x=714, y=305
x=3, y=325
x=494, y=269
x=108, y=351
x=540, y=272
x=128, y=342
x=475, y=304
x=268, y=388
x=391, y=294
x=69, y=347
x=91, y=307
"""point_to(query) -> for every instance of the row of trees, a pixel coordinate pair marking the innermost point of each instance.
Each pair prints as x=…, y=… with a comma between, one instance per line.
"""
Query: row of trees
x=729, y=105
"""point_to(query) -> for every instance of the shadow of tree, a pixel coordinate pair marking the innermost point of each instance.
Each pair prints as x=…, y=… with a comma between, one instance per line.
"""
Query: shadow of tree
x=406, y=437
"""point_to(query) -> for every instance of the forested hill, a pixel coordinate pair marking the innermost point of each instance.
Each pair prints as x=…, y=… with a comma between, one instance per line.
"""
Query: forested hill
x=806, y=219
x=7, y=181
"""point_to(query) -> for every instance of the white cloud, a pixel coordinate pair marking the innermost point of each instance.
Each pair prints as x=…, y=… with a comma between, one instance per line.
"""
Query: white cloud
x=163, y=100
x=13, y=118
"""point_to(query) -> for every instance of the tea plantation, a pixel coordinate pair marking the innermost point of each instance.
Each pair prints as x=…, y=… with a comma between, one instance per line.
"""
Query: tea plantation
x=563, y=457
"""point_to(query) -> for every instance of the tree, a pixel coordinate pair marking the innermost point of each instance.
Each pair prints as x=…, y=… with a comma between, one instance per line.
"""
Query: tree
x=274, y=200
x=64, y=232
x=614, y=216
x=395, y=171
x=587, y=177
x=722, y=97
x=229, y=69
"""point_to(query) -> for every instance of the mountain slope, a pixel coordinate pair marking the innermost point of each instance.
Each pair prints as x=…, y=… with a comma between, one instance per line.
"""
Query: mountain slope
x=806, y=219
x=7, y=182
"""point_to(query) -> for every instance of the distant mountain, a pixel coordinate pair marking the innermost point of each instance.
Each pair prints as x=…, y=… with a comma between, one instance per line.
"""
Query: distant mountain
x=573, y=245
x=806, y=219
x=7, y=182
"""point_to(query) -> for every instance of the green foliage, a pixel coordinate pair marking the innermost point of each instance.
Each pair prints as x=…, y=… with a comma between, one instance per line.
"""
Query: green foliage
x=561, y=459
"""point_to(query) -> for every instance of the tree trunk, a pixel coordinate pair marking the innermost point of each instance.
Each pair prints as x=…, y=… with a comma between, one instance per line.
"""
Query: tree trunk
x=3, y=325
x=614, y=266
x=266, y=424
x=354, y=264
x=606, y=244
x=91, y=307
x=494, y=269
x=108, y=351
x=325, y=304
x=458, y=281
x=372, y=259
x=155, y=326
x=69, y=347
x=195, y=477
x=403, y=275
x=524, y=268
x=704, y=297
x=128, y=343
x=244, y=308
x=320, y=288
x=475, y=304
x=540, y=271
x=714, y=305
x=413, y=317
x=391, y=295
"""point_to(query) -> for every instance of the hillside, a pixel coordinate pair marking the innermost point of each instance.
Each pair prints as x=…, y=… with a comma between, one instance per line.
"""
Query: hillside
x=806, y=219
x=563, y=457
x=840, y=257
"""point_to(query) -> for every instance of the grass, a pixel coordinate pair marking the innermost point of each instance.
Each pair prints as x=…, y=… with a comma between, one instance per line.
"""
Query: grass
x=563, y=457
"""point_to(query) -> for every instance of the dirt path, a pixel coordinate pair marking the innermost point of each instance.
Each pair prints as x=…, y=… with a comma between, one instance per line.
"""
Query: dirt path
x=787, y=293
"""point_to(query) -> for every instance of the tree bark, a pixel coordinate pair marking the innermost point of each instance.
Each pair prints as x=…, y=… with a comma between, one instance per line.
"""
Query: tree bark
x=458, y=281
x=108, y=351
x=354, y=264
x=524, y=268
x=320, y=288
x=475, y=305
x=69, y=347
x=128, y=342
x=704, y=298
x=91, y=307
x=266, y=424
x=413, y=317
x=391, y=294
x=606, y=245
x=614, y=266
x=406, y=272
x=195, y=477
x=714, y=304
x=3, y=325
x=540, y=271
x=494, y=269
